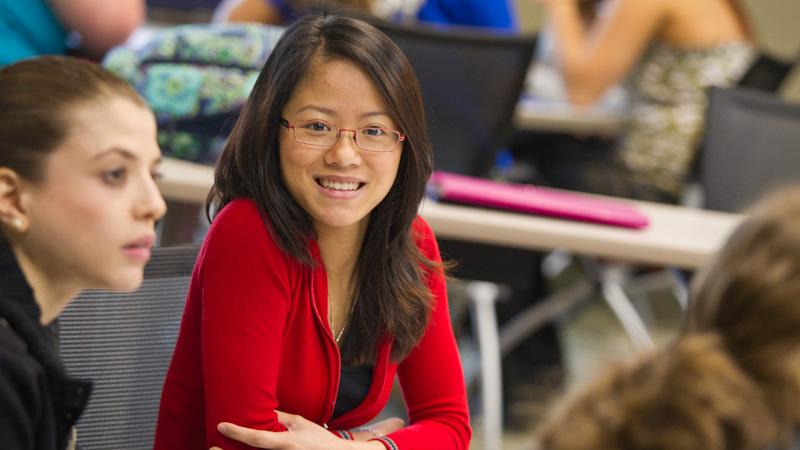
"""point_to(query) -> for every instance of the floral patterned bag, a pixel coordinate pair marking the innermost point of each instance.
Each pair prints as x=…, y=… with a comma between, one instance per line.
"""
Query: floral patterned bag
x=196, y=79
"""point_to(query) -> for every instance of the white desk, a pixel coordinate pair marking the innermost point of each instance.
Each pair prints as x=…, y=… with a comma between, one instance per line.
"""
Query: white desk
x=677, y=236
x=558, y=117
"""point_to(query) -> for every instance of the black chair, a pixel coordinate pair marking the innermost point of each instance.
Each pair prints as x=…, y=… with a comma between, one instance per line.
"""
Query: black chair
x=471, y=82
x=766, y=73
x=752, y=146
x=181, y=11
x=124, y=343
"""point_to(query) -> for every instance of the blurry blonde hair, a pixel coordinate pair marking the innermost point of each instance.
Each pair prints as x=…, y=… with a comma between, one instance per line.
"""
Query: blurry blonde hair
x=750, y=295
x=688, y=396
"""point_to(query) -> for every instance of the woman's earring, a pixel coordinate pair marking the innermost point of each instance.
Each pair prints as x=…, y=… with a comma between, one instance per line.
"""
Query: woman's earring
x=17, y=223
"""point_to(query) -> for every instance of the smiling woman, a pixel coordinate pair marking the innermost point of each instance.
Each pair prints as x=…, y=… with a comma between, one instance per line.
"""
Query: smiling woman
x=317, y=282
x=78, y=204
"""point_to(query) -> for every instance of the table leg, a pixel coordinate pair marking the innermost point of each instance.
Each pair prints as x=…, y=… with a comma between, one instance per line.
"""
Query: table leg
x=611, y=278
x=483, y=296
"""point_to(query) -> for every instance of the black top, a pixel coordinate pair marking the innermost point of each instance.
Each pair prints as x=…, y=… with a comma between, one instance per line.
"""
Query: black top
x=354, y=384
x=39, y=403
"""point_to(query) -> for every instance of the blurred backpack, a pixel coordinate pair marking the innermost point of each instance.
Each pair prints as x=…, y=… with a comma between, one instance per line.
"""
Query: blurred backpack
x=196, y=79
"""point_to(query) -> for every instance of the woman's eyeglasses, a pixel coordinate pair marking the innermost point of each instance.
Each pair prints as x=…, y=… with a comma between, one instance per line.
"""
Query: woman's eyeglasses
x=323, y=134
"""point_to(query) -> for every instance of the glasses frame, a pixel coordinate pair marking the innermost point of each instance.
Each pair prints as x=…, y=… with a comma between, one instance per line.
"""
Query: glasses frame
x=291, y=126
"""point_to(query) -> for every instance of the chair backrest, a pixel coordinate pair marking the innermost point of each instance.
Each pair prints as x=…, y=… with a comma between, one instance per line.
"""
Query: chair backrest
x=471, y=81
x=124, y=343
x=752, y=146
x=766, y=73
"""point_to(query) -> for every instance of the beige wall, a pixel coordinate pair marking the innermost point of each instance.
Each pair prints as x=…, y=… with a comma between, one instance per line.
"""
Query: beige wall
x=777, y=25
x=530, y=15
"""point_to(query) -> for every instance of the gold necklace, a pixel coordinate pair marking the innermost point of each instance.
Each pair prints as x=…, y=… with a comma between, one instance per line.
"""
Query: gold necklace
x=337, y=337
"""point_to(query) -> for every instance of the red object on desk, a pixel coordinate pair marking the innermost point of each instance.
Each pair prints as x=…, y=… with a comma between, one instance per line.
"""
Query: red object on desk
x=535, y=200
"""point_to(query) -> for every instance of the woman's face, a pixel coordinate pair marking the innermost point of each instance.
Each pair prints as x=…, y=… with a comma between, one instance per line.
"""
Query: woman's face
x=338, y=185
x=90, y=219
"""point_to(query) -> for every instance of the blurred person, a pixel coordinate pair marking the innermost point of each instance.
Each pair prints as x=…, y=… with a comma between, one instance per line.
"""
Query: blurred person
x=78, y=203
x=562, y=159
x=732, y=380
x=750, y=295
x=669, y=52
x=690, y=395
x=317, y=282
x=495, y=14
x=56, y=27
x=544, y=80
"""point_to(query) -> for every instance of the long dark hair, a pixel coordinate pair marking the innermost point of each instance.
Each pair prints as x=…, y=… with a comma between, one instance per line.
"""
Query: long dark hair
x=392, y=299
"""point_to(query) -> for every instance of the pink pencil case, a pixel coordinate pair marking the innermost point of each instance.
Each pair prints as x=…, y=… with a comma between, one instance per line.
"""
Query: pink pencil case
x=534, y=200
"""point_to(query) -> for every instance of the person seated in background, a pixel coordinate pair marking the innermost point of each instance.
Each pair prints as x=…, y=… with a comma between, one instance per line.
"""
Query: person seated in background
x=690, y=395
x=544, y=80
x=56, y=27
x=317, y=283
x=495, y=14
x=750, y=295
x=78, y=204
x=669, y=52
x=732, y=379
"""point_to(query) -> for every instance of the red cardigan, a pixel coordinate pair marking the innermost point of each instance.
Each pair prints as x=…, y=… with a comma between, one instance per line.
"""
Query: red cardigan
x=254, y=339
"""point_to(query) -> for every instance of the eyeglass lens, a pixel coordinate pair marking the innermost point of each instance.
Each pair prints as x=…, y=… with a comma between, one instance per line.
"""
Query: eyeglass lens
x=373, y=138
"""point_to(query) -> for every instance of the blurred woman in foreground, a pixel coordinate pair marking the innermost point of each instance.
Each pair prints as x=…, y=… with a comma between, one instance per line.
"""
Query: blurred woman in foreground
x=78, y=204
x=732, y=380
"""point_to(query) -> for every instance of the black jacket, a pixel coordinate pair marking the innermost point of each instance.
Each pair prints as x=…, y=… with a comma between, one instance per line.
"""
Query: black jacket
x=39, y=403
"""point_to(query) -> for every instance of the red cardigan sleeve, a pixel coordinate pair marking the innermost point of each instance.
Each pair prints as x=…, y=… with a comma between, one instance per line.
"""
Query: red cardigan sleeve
x=431, y=376
x=246, y=287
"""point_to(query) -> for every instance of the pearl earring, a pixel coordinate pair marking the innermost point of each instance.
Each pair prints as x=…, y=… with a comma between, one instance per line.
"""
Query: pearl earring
x=17, y=222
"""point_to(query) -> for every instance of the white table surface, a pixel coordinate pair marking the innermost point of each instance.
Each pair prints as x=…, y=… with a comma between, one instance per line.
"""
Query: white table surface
x=561, y=117
x=676, y=236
